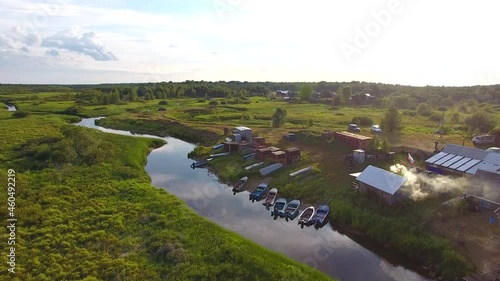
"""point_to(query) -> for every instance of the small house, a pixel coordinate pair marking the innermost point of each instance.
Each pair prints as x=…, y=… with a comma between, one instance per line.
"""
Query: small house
x=485, y=187
x=279, y=157
x=354, y=141
x=263, y=153
x=383, y=183
x=244, y=132
x=292, y=155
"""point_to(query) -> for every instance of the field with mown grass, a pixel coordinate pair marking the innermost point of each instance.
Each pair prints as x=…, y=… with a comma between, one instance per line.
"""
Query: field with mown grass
x=86, y=211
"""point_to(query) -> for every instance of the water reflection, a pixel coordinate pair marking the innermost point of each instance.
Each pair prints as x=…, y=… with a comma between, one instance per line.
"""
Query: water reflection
x=325, y=249
x=11, y=108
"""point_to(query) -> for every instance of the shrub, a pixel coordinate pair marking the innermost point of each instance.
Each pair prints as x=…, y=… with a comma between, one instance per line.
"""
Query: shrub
x=424, y=109
x=362, y=120
x=163, y=102
x=20, y=114
x=223, y=102
x=73, y=110
x=201, y=100
x=436, y=116
x=213, y=103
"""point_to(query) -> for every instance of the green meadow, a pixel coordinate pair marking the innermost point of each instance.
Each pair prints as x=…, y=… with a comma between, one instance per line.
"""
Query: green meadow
x=86, y=211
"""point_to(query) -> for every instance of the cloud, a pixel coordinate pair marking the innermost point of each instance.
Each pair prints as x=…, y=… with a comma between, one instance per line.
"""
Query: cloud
x=25, y=49
x=26, y=37
x=86, y=43
x=52, y=53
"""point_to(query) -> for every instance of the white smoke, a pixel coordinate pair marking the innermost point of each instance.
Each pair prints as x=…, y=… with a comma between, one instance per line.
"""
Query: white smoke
x=419, y=186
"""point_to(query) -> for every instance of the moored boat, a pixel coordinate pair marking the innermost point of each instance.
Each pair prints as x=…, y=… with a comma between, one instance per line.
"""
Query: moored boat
x=258, y=191
x=201, y=163
x=279, y=207
x=306, y=217
x=292, y=209
x=321, y=214
x=240, y=184
x=271, y=197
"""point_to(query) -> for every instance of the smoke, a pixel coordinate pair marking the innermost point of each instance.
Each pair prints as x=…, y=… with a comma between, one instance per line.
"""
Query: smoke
x=420, y=185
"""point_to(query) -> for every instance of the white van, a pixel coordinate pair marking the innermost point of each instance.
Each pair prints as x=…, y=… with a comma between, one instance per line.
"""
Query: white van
x=482, y=139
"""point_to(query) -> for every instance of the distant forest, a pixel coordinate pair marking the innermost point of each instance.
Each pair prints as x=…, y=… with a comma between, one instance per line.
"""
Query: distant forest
x=404, y=97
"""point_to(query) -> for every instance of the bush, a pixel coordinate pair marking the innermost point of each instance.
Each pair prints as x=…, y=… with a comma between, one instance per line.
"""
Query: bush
x=424, y=109
x=213, y=103
x=223, y=102
x=436, y=116
x=362, y=120
x=20, y=114
x=73, y=110
x=163, y=102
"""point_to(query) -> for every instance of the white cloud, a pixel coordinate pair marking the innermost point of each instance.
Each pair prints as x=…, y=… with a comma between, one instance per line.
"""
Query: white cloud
x=86, y=43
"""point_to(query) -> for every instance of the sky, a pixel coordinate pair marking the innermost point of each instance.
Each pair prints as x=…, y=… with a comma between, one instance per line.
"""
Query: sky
x=407, y=42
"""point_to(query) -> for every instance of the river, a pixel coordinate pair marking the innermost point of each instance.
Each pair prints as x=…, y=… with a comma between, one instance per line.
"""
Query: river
x=325, y=249
x=11, y=108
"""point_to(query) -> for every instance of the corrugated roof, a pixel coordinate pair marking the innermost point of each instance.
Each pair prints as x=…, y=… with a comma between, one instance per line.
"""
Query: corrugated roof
x=469, y=152
x=381, y=179
x=490, y=163
x=436, y=157
x=485, y=185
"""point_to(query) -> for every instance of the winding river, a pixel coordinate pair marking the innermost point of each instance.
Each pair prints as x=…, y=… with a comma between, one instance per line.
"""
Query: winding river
x=325, y=249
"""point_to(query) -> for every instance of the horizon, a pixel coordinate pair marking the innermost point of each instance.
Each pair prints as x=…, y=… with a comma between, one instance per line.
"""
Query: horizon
x=395, y=42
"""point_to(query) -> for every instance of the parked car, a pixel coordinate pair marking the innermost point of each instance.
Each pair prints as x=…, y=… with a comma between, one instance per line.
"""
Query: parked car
x=483, y=139
x=353, y=128
x=376, y=129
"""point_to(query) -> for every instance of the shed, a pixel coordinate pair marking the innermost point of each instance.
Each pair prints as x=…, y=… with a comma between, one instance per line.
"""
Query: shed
x=263, y=153
x=245, y=132
x=292, y=155
x=383, y=183
x=354, y=141
x=279, y=157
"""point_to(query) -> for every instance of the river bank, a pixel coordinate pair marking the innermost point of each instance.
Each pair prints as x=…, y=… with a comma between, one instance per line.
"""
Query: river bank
x=393, y=229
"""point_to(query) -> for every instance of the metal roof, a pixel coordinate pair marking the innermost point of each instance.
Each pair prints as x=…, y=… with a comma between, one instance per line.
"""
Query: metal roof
x=444, y=159
x=469, y=152
x=490, y=163
x=436, y=157
x=451, y=161
x=468, y=165
x=485, y=185
x=460, y=163
x=242, y=128
x=381, y=179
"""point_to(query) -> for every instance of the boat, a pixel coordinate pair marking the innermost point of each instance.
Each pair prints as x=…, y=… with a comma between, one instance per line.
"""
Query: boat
x=306, y=217
x=201, y=163
x=301, y=171
x=258, y=191
x=220, y=154
x=271, y=168
x=321, y=214
x=215, y=147
x=279, y=207
x=239, y=185
x=271, y=197
x=254, y=165
x=292, y=209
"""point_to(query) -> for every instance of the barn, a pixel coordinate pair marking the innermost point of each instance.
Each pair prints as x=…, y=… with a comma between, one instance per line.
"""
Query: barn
x=384, y=184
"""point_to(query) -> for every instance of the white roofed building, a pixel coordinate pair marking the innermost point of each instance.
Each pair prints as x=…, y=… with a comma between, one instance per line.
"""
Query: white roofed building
x=383, y=183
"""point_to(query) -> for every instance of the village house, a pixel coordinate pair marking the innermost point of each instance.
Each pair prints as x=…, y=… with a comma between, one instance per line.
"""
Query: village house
x=384, y=184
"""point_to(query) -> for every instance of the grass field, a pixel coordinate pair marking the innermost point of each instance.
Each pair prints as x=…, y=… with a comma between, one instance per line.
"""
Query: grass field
x=87, y=218
x=196, y=121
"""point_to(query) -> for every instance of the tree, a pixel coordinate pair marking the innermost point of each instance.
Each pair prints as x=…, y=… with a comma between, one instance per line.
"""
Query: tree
x=279, y=117
x=306, y=92
x=391, y=120
x=346, y=93
x=424, y=109
x=481, y=120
